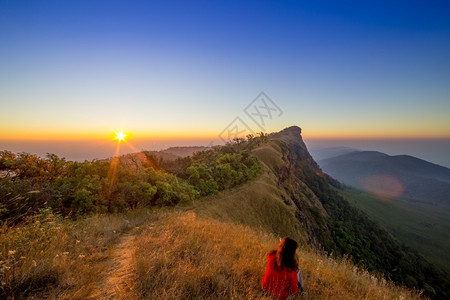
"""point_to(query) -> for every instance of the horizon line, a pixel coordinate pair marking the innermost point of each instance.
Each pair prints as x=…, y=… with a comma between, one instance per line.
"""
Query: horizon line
x=213, y=138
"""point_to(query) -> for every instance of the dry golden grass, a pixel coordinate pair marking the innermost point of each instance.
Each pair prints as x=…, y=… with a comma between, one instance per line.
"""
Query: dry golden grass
x=177, y=255
x=52, y=258
x=183, y=256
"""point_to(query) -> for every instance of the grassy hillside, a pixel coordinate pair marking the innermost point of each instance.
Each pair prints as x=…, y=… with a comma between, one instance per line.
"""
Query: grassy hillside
x=184, y=256
x=286, y=210
x=260, y=203
x=420, y=226
x=293, y=194
x=257, y=204
x=174, y=255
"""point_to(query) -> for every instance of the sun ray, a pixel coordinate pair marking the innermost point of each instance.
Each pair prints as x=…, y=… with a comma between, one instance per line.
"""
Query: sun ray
x=120, y=136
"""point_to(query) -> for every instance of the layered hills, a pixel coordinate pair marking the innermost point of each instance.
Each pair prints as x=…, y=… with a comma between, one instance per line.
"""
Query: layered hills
x=400, y=176
x=408, y=196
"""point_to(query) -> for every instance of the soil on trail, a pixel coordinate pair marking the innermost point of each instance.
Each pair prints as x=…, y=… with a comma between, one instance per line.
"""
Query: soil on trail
x=120, y=275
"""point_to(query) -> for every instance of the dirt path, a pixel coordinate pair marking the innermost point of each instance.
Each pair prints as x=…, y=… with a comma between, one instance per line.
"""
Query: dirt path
x=120, y=275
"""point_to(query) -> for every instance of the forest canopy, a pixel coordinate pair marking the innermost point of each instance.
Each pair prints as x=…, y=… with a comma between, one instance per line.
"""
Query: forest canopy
x=29, y=183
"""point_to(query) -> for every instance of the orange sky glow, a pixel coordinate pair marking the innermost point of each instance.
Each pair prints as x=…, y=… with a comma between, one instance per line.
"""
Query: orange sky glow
x=309, y=133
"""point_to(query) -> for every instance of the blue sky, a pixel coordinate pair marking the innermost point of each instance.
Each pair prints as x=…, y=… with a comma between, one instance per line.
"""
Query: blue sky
x=347, y=69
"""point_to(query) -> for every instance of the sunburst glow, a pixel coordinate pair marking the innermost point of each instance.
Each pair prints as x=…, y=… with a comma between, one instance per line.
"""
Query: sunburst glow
x=120, y=136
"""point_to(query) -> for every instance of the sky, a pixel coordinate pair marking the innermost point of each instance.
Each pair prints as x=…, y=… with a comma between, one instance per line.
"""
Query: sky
x=74, y=72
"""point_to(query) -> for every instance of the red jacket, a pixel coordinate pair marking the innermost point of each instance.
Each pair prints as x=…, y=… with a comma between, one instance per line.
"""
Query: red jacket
x=279, y=284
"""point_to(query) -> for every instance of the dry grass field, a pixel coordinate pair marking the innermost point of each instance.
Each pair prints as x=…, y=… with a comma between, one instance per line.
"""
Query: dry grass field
x=163, y=255
x=184, y=256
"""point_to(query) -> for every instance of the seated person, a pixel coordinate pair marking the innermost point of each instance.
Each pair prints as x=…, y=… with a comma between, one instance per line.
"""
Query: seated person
x=283, y=278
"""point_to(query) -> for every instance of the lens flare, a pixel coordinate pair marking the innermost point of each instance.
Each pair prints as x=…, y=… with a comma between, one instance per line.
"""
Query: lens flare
x=382, y=186
x=120, y=136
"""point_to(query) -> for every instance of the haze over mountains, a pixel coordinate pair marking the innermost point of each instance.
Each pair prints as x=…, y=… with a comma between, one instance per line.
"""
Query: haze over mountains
x=321, y=153
x=434, y=150
x=408, y=196
x=399, y=176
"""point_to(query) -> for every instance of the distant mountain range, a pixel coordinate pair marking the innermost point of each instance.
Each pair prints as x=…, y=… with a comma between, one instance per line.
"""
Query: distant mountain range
x=153, y=158
x=399, y=176
x=321, y=153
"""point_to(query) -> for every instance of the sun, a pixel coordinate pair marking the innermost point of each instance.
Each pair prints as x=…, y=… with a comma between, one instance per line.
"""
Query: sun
x=120, y=136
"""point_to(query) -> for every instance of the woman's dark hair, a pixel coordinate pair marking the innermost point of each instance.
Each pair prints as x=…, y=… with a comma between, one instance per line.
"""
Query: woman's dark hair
x=285, y=254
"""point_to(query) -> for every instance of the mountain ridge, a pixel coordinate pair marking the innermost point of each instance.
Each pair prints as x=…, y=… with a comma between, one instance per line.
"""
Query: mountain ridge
x=402, y=159
x=417, y=180
x=301, y=190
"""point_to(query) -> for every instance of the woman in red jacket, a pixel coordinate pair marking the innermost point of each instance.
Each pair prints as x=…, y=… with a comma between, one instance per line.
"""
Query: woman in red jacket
x=280, y=279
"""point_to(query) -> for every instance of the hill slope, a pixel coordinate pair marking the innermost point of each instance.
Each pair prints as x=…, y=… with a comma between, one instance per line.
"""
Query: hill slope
x=417, y=225
x=293, y=197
